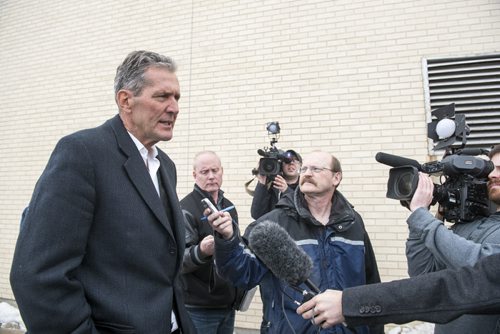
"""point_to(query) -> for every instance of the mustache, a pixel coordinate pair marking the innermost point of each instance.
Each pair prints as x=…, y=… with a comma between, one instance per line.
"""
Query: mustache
x=308, y=180
x=493, y=183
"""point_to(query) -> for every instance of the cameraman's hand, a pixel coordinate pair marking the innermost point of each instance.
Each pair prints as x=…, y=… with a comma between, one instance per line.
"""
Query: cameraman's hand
x=423, y=194
x=280, y=183
x=221, y=222
x=261, y=178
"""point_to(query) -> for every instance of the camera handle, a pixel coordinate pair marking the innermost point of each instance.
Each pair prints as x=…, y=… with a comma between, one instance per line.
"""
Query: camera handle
x=247, y=186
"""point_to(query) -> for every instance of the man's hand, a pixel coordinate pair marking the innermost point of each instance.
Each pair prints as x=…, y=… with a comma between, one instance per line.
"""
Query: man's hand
x=280, y=183
x=221, y=222
x=423, y=194
x=207, y=245
x=261, y=178
x=324, y=309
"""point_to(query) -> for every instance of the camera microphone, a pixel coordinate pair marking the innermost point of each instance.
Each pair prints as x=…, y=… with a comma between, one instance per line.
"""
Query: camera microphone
x=273, y=245
x=396, y=161
x=261, y=152
x=472, y=151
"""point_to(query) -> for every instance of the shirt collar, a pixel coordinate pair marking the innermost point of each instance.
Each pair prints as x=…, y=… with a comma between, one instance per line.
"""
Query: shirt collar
x=142, y=149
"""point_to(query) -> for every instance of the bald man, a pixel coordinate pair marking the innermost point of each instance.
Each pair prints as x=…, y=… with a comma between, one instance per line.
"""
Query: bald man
x=210, y=300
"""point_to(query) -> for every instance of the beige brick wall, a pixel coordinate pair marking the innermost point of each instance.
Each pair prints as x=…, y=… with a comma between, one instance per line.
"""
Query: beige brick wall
x=341, y=75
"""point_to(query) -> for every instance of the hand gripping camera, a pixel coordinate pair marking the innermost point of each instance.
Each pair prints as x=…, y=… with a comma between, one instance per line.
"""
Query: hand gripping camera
x=462, y=194
x=272, y=157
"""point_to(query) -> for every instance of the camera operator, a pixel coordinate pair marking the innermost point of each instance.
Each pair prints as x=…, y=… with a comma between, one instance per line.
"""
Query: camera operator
x=431, y=246
x=267, y=193
x=265, y=197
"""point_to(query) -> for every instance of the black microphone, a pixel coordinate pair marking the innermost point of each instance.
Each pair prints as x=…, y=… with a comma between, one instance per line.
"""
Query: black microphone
x=473, y=151
x=281, y=255
x=396, y=161
x=261, y=152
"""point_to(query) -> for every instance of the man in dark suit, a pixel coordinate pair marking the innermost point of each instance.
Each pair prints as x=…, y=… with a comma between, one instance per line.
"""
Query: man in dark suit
x=101, y=246
x=435, y=297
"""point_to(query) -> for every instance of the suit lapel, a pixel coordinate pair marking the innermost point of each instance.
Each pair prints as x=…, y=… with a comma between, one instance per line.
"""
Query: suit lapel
x=168, y=182
x=138, y=174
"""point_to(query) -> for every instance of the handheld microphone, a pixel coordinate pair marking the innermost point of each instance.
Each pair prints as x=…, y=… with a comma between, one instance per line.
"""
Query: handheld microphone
x=396, y=161
x=281, y=255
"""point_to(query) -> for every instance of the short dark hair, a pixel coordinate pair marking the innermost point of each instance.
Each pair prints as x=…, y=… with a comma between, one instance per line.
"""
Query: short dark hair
x=494, y=151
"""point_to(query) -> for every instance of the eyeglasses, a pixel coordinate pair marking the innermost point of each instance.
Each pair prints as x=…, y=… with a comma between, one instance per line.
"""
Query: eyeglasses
x=314, y=169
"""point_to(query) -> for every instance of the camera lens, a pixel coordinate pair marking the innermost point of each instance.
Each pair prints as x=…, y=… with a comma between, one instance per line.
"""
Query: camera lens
x=404, y=185
x=402, y=182
x=269, y=166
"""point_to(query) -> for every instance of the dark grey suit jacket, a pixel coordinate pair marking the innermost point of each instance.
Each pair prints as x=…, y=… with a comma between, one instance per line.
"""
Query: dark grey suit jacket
x=96, y=252
x=436, y=297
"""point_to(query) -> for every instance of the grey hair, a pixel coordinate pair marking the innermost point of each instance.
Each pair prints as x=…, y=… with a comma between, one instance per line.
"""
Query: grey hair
x=195, y=160
x=130, y=74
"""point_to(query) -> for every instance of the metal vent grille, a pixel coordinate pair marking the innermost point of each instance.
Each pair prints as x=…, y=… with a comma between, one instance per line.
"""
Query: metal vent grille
x=473, y=84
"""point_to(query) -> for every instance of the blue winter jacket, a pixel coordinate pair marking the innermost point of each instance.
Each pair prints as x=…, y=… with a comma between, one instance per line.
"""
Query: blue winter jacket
x=341, y=252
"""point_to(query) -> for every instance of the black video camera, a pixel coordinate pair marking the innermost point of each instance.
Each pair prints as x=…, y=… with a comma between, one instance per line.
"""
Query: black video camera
x=463, y=195
x=270, y=164
x=272, y=157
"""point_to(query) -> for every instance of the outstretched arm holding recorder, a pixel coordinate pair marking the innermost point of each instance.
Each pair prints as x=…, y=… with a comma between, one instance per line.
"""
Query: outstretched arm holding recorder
x=436, y=297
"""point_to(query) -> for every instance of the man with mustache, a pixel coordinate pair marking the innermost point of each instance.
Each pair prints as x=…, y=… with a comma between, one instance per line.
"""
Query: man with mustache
x=454, y=288
x=325, y=225
x=101, y=245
